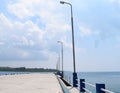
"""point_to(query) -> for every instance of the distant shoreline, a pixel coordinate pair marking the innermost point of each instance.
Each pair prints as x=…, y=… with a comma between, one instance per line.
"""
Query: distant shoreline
x=23, y=69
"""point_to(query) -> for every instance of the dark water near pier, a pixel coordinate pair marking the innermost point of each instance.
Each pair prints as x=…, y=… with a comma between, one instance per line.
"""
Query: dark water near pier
x=110, y=79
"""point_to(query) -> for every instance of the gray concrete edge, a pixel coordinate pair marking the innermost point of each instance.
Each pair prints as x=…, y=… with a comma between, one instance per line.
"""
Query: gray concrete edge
x=67, y=89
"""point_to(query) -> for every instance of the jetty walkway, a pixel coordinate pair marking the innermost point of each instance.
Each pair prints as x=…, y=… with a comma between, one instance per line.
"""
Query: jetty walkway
x=30, y=83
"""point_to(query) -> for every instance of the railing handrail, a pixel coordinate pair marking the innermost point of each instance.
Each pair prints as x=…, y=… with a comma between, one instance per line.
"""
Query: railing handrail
x=107, y=91
x=99, y=87
x=102, y=89
x=89, y=84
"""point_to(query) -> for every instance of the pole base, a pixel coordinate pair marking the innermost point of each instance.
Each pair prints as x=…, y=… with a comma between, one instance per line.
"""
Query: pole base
x=75, y=79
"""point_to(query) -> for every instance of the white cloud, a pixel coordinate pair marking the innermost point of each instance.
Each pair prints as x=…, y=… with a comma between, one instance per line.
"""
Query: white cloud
x=30, y=39
x=85, y=30
x=4, y=21
x=24, y=54
x=26, y=42
x=20, y=9
x=47, y=11
x=30, y=29
x=28, y=34
x=22, y=33
x=26, y=8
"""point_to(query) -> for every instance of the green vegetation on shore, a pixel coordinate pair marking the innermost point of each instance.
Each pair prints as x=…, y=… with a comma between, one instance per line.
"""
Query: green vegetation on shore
x=23, y=69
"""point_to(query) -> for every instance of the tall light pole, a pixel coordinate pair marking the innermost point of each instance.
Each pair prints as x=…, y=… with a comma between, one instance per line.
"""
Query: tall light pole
x=62, y=56
x=58, y=63
x=75, y=82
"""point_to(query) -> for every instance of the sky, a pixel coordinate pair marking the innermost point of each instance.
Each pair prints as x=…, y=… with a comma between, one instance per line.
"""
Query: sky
x=30, y=29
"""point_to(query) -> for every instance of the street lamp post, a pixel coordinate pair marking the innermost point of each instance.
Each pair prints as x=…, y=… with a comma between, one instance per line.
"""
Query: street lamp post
x=58, y=65
x=62, y=56
x=75, y=82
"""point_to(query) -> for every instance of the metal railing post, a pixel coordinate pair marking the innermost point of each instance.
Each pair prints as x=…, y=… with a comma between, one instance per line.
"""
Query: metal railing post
x=99, y=87
x=82, y=85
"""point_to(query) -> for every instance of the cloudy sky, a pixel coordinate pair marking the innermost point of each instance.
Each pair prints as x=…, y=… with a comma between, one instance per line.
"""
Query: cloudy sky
x=30, y=29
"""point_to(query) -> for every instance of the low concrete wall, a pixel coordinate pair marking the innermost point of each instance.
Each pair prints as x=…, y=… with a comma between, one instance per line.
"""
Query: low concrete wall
x=64, y=87
x=67, y=89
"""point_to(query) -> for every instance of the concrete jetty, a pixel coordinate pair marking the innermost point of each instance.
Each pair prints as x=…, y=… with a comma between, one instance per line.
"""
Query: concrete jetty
x=30, y=83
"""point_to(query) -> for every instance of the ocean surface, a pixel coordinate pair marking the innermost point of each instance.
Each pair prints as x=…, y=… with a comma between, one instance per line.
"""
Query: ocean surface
x=110, y=79
x=12, y=73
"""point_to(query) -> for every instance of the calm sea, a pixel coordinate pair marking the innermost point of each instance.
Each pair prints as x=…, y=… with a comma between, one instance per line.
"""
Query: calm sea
x=110, y=79
x=12, y=73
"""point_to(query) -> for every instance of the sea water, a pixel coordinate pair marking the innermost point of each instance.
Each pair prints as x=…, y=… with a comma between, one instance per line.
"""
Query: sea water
x=12, y=73
x=110, y=79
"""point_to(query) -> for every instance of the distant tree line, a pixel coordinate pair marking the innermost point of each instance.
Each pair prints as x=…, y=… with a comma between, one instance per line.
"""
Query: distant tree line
x=23, y=69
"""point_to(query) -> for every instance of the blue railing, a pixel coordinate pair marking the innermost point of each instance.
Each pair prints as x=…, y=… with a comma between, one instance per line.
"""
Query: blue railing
x=100, y=88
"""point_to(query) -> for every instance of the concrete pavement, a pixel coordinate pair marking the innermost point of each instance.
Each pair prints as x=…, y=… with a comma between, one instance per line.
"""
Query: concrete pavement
x=30, y=83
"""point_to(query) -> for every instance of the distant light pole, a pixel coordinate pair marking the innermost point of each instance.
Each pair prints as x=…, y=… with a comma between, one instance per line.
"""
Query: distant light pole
x=62, y=56
x=75, y=82
x=58, y=63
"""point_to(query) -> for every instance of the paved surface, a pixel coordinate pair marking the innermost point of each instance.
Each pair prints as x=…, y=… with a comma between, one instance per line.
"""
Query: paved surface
x=74, y=90
x=30, y=83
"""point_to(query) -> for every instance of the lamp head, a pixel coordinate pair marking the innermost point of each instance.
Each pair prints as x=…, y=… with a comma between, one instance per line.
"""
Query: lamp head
x=62, y=2
x=58, y=41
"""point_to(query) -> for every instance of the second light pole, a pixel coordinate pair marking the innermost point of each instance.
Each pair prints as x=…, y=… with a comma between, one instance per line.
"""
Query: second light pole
x=75, y=82
x=62, y=56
